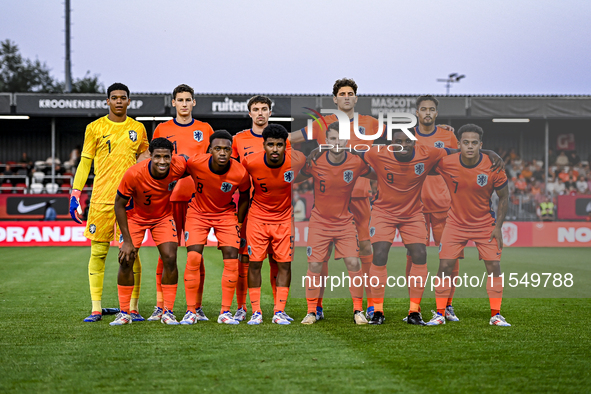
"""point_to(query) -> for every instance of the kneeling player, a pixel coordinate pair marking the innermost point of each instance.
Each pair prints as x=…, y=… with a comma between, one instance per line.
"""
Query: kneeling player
x=216, y=178
x=471, y=183
x=147, y=186
x=335, y=173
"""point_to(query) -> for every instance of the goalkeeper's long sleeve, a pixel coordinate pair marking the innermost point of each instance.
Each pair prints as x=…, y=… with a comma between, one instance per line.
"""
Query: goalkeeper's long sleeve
x=82, y=173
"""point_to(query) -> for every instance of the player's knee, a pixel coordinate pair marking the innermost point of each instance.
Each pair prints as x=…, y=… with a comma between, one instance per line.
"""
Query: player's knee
x=315, y=267
x=419, y=255
x=99, y=250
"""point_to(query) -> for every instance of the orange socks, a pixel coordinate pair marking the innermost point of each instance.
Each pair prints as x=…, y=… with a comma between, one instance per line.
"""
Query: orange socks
x=417, y=286
x=242, y=285
x=356, y=291
x=255, y=298
x=274, y=269
x=229, y=280
x=159, y=268
x=313, y=290
x=381, y=272
x=323, y=272
x=124, y=293
x=192, y=279
x=408, y=267
x=442, y=294
x=454, y=273
x=281, y=300
x=169, y=294
x=199, y=298
x=495, y=294
x=365, y=266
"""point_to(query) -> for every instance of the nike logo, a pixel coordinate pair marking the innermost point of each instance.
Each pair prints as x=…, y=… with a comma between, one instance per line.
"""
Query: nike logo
x=259, y=179
x=248, y=147
x=453, y=176
x=387, y=169
x=169, y=136
x=22, y=208
x=105, y=136
x=145, y=191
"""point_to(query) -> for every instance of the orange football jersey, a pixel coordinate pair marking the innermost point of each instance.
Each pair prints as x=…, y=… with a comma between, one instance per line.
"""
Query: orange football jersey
x=214, y=191
x=188, y=139
x=367, y=125
x=435, y=195
x=271, y=202
x=333, y=185
x=399, y=182
x=150, y=197
x=470, y=189
x=246, y=142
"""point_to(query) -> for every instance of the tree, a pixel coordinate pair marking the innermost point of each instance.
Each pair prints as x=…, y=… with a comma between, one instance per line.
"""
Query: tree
x=24, y=75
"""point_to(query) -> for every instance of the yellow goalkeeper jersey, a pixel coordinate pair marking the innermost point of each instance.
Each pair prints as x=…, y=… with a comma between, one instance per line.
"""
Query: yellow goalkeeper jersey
x=113, y=147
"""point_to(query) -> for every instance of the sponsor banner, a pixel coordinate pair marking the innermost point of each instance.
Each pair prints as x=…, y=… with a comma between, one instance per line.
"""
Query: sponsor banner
x=84, y=104
x=236, y=105
x=573, y=207
x=32, y=206
x=565, y=142
x=4, y=103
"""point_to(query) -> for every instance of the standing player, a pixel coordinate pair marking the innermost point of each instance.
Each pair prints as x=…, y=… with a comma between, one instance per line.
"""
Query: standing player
x=270, y=217
x=148, y=185
x=435, y=194
x=113, y=142
x=344, y=93
x=189, y=137
x=471, y=183
x=334, y=173
x=216, y=177
x=246, y=143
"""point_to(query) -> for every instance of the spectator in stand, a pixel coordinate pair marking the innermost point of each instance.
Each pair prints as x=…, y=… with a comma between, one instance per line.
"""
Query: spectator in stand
x=584, y=168
x=27, y=162
x=512, y=155
x=527, y=173
x=589, y=181
x=536, y=190
x=571, y=179
x=538, y=173
x=559, y=187
x=520, y=185
x=574, y=158
x=551, y=157
x=299, y=208
x=50, y=214
x=545, y=209
x=74, y=160
x=582, y=186
x=8, y=172
x=562, y=160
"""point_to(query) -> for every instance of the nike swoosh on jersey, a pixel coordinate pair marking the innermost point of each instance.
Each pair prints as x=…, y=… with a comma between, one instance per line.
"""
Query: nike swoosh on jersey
x=105, y=136
x=168, y=136
x=247, y=147
x=260, y=179
x=145, y=191
x=22, y=208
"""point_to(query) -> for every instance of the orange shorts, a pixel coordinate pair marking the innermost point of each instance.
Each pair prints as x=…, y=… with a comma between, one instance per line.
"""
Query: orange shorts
x=361, y=210
x=179, y=213
x=436, y=222
x=243, y=241
x=320, y=237
x=279, y=236
x=383, y=228
x=455, y=239
x=163, y=230
x=226, y=230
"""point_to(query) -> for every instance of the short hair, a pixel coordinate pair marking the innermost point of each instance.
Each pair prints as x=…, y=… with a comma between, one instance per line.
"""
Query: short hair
x=259, y=99
x=340, y=83
x=161, y=143
x=470, y=128
x=221, y=134
x=275, y=131
x=332, y=126
x=117, y=86
x=183, y=88
x=427, y=97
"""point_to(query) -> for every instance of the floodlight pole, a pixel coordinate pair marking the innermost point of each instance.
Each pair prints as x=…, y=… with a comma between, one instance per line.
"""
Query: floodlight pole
x=68, y=62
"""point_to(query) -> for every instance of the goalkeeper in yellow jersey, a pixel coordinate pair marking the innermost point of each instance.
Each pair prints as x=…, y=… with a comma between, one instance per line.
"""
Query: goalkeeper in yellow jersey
x=114, y=142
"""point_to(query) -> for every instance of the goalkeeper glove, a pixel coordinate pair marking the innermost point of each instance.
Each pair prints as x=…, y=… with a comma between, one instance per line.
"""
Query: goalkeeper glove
x=75, y=208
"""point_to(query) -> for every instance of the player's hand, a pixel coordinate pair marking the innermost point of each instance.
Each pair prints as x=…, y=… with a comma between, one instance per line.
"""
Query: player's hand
x=498, y=235
x=127, y=253
x=75, y=209
x=312, y=157
x=446, y=127
x=497, y=162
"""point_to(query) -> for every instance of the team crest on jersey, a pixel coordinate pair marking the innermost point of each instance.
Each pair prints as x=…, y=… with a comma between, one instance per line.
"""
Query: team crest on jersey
x=362, y=130
x=92, y=229
x=419, y=168
x=198, y=135
x=133, y=135
x=288, y=176
x=309, y=251
x=439, y=144
x=226, y=187
x=348, y=176
x=482, y=180
x=186, y=236
x=171, y=185
x=372, y=231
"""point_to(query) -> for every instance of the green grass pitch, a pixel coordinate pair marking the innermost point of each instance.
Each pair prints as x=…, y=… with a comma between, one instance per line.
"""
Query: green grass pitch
x=45, y=346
